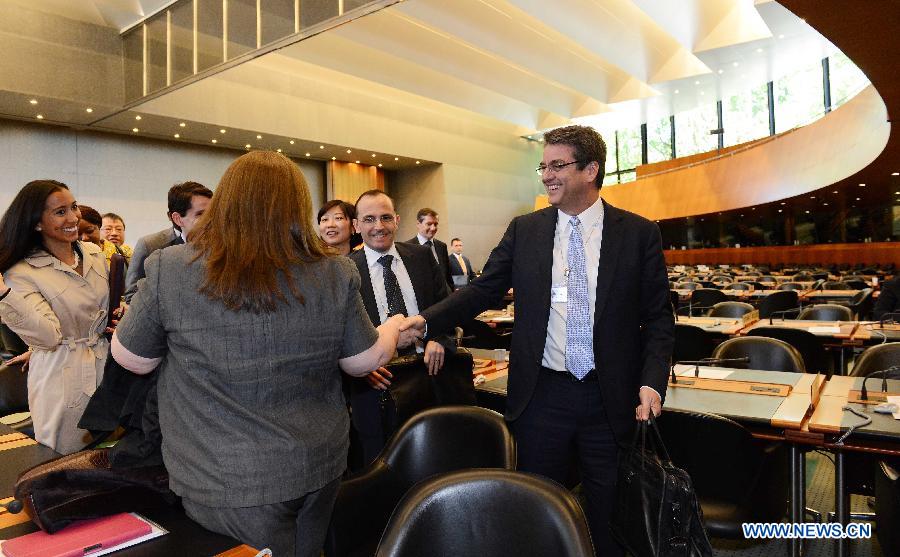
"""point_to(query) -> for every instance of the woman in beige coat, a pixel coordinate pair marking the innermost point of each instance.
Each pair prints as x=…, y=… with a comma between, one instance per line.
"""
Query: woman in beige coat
x=54, y=294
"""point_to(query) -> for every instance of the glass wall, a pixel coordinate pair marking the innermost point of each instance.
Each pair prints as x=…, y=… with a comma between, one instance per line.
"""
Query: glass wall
x=745, y=116
x=846, y=79
x=799, y=98
x=692, y=129
x=659, y=139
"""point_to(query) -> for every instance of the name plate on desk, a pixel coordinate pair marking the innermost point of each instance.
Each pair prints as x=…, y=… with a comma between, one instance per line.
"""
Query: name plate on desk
x=751, y=317
x=725, y=385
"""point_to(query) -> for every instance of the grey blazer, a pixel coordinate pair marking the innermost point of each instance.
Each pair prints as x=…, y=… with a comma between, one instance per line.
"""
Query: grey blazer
x=144, y=247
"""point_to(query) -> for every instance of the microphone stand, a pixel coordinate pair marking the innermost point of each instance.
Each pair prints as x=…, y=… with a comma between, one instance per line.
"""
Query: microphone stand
x=783, y=312
x=706, y=362
x=883, y=373
x=888, y=317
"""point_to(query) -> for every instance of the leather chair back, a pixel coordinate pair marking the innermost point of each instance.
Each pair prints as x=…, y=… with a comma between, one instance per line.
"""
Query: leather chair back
x=764, y=353
x=13, y=390
x=487, y=512
x=730, y=309
x=835, y=285
x=791, y=286
x=742, y=481
x=810, y=347
x=778, y=301
x=707, y=297
x=876, y=358
x=826, y=312
x=887, y=507
x=691, y=343
x=413, y=390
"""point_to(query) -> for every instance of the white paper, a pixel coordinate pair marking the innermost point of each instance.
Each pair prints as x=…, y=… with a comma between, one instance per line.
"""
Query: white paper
x=684, y=370
x=825, y=329
x=895, y=400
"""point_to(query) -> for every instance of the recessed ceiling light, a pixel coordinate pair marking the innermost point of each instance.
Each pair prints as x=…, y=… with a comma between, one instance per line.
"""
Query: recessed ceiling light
x=33, y=101
x=177, y=135
x=812, y=196
x=697, y=82
x=333, y=158
x=291, y=142
x=182, y=124
x=321, y=146
x=349, y=151
x=835, y=191
x=40, y=116
x=307, y=154
x=721, y=71
x=222, y=130
x=702, y=93
x=279, y=150
x=897, y=193
x=807, y=212
x=676, y=91
x=215, y=140
x=781, y=36
x=779, y=210
x=88, y=110
x=783, y=203
x=379, y=165
x=895, y=173
x=824, y=204
x=396, y=158
x=135, y=130
x=417, y=162
x=759, y=50
x=138, y=117
x=373, y=155
x=357, y=162
x=258, y=137
x=247, y=146
x=862, y=185
x=735, y=64
x=857, y=199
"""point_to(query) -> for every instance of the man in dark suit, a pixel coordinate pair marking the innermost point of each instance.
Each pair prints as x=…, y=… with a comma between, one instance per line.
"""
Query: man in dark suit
x=186, y=202
x=427, y=226
x=594, y=328
x=396, y=278
x=460, y=267
x=889, y=300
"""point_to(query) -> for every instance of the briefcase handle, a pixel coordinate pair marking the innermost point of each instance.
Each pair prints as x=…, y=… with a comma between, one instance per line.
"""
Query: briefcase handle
x=658, y=447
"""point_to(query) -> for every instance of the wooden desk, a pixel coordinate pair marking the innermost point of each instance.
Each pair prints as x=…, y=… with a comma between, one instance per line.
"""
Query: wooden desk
x=185, y=536
x=844, y=333
x=715, y=325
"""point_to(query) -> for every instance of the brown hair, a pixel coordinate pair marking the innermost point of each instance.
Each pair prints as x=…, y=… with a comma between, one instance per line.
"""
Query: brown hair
x=587, y=143
x=258, y=225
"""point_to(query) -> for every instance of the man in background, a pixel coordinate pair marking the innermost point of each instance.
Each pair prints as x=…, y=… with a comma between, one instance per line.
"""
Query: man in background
x=427, y=227
x=186, y=204
x=460, y=267
x=113, y=231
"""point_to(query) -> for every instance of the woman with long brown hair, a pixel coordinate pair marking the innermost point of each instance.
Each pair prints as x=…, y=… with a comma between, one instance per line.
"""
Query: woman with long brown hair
x=54, y=294
x=254, y=324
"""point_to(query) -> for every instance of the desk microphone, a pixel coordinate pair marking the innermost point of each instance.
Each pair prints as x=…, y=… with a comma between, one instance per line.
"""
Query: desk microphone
x=884, y=374
x=708, y=362
x=782, y=313
x=690, y=307
x=13, y=507
x=889, y=317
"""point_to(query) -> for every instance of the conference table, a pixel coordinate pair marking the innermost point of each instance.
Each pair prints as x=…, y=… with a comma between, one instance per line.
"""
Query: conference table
x=183, y=537
x=803, y=410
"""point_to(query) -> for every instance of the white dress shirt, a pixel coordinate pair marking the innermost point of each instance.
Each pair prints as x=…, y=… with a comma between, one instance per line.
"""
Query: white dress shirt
x=422, y=240
x=592, y=235
x=376, y=273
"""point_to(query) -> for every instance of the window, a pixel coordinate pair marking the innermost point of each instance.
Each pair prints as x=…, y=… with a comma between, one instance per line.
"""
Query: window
x=745, y=116
x=629, y=155
x=799, y=98
x=692, y=130
x=846, y=79
x=659, y=139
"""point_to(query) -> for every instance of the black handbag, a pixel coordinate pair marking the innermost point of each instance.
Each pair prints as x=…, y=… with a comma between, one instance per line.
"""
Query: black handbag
x=657, y=513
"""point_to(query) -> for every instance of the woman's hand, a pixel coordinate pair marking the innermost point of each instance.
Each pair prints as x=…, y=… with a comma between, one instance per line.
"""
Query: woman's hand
x=24, y=358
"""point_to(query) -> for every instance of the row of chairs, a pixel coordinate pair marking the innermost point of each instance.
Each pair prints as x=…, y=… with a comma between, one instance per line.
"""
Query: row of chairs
x=783, y=303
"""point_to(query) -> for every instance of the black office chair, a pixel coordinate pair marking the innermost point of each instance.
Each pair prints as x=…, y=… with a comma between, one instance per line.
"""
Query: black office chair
x=887, y=507
x=810, y=347
x=835, y=285
x=675, y=298
x=791, y=286
x=764, y=353
x=856, y=284
x=691, y=343
x=730, y=309
x=487, y=512
x=781, y=302
x=688, y=285
x=746, y=285
x=434, y=441
x=14, y=383
x=705, y=298
x=802, y=277
x=744, y=482
x=826, y=312
x=876, y=358
x=767, y=280
x=861, y=304
x=478, y=334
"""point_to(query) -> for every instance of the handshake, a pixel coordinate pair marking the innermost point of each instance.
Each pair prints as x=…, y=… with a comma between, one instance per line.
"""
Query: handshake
x=411, y=329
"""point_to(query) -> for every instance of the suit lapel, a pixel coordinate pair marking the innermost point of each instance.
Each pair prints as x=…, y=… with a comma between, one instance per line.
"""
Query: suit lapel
x=543, y=252
x=365, y=289
x=418, y=274
x=609, y=256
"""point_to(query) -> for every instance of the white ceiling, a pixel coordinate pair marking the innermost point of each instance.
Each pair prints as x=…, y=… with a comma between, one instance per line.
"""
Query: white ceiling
x=118, y=14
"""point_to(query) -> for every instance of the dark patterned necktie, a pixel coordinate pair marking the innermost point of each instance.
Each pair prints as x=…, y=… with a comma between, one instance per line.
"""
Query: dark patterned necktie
x=395, y=302
x=430, y=245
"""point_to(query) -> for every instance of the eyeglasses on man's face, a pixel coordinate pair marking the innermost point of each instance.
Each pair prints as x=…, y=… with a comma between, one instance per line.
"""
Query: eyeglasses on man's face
x=372, y=219
x=554, y=166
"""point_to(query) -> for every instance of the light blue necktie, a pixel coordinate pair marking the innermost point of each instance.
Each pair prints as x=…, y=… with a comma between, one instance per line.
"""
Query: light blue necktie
x=579, y=344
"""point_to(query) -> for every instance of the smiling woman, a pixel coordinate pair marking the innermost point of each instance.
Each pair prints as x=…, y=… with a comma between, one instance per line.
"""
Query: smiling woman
x=54, y=294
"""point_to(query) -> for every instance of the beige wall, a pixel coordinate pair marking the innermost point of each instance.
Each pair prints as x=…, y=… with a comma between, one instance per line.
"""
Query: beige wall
x=123, y=174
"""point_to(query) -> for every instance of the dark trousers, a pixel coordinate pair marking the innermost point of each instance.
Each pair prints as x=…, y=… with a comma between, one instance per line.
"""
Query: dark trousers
x=565, y=420
x=296, y=527
x=368, y=418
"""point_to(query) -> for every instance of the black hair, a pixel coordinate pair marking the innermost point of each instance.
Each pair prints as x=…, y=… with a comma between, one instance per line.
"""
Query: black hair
x=18, y=236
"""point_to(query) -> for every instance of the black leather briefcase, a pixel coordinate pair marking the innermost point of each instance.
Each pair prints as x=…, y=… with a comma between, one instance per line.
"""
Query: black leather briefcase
x=657, y=513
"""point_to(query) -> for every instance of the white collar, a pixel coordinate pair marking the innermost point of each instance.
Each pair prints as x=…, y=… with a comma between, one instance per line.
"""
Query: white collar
x=590, y=217
x=373, y=256
x=422, y=239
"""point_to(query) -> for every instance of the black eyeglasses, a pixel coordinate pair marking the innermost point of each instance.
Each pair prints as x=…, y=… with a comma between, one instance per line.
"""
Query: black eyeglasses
x=554, y=166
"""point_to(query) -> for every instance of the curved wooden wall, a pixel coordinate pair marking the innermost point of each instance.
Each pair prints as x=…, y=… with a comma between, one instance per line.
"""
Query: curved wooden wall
x=817, y=254
x=796, y=162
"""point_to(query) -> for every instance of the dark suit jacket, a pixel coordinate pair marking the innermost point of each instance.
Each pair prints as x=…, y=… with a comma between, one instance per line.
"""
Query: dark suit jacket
x=443, y=259
x=427, y=281
x=455, y=269
x=144, y=247
x=633, y=321
x=889, y=299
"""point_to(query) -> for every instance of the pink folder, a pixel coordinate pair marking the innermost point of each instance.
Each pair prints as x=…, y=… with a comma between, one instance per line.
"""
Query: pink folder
x=78, y=539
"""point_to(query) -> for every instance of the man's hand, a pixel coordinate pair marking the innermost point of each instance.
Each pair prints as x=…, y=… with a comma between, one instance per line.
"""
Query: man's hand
x=408, y=338
x=24, y=358
x=415, y=323
x=434, y=357
x=649, y=401
x=378, y=379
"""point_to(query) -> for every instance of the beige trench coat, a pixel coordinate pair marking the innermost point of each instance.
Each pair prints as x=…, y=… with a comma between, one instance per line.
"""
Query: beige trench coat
x=61, y=315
